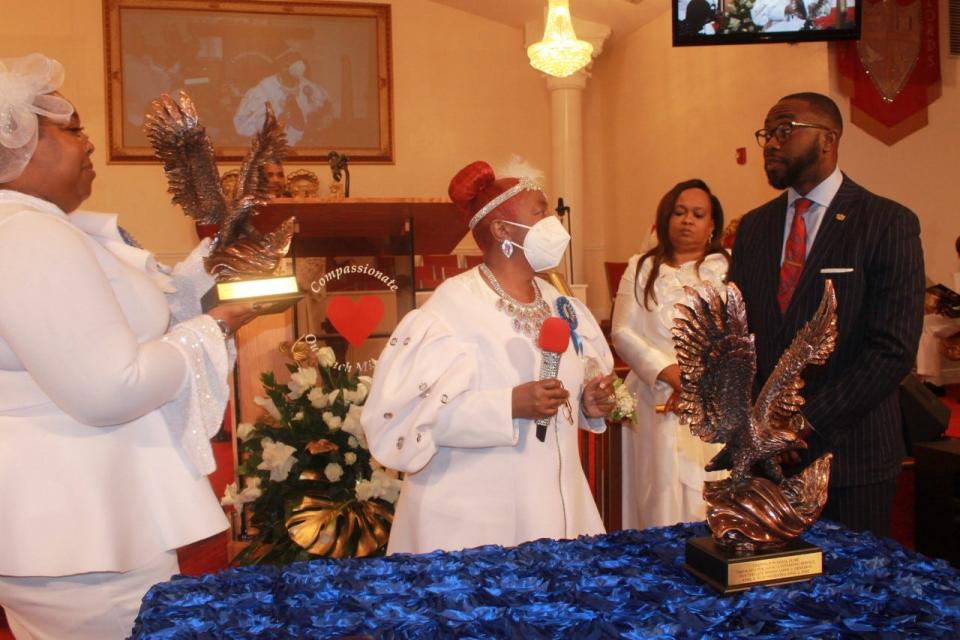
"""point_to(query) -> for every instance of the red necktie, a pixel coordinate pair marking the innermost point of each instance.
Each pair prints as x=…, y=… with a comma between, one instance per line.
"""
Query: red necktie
x=794, y=254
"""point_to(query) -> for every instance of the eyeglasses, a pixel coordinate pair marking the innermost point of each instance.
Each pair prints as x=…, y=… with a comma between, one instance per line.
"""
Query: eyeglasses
x=783, y=131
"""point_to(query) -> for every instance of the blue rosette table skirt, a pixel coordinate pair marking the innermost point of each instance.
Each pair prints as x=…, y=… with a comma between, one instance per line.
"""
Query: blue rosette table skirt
x=628, y=584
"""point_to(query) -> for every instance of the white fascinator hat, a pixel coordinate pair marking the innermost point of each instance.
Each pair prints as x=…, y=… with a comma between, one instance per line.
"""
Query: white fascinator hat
x=26, y=85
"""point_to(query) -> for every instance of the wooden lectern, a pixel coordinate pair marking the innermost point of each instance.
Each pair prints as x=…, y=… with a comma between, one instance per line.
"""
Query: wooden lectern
x=358, y=249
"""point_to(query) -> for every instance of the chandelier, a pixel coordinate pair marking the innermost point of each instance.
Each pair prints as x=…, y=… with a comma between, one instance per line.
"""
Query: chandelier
x=559, y=53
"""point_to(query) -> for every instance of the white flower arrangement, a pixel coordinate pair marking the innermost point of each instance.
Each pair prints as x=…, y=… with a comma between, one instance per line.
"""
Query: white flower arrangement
x=308, y=471
x=333, y=472
x=626, y=407
x=233, y=497
x=326, y=357
x=245, y=431
x=382, y=484
x=277, y=458
x=332, y=421
x=301, y=380
x=267, y=405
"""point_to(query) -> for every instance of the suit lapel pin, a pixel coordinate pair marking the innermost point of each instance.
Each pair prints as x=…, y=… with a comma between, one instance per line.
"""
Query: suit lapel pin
x=841, y=217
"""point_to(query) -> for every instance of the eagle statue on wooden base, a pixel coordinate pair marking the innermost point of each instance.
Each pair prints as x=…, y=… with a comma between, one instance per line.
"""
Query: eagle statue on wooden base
x=757, y=507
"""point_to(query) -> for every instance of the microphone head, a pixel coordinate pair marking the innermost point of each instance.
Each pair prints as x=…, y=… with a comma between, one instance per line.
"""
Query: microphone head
x=554, y=335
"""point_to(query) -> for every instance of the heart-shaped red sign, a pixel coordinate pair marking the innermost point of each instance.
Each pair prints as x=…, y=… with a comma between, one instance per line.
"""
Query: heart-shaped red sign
x=355, y=320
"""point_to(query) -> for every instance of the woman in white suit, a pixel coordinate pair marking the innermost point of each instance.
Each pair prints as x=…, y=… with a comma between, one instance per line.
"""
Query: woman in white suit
x=662, y=461
x=111, y=383
x=457, y=390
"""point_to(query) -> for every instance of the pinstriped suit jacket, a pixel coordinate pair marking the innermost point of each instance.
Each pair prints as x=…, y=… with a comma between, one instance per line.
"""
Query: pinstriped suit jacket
x=852, y=401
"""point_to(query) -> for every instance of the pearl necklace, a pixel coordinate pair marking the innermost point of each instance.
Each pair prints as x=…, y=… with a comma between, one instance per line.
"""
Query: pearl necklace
x=527, y=316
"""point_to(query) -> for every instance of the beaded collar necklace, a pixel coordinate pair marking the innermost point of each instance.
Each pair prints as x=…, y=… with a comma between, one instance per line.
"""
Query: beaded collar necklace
x=527, y=316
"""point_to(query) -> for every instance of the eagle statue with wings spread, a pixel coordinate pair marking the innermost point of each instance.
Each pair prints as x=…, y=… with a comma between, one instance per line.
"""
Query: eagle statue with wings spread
x=239, y=250
x=757, y=507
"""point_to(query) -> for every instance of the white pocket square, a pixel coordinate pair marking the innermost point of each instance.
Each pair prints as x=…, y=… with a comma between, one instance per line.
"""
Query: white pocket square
x=837, y=270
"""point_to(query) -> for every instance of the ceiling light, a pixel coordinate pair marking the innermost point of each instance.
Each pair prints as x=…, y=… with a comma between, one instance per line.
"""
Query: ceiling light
x=559, y=53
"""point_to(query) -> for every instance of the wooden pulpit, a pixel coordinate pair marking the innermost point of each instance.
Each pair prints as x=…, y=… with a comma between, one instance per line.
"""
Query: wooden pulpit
x=354, y=257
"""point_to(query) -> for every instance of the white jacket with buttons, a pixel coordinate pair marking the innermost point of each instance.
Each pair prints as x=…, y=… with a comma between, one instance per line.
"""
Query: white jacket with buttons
x=440, y=410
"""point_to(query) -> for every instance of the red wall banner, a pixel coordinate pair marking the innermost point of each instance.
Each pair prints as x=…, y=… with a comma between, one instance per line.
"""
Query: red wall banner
x=893, y=72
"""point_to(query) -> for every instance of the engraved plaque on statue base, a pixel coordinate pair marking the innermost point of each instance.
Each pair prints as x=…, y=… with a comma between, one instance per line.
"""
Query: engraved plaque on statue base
x=275, y=294
x=727, y=572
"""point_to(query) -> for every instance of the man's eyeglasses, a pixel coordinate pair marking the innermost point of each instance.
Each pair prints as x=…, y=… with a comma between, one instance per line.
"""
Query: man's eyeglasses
x=783, y=131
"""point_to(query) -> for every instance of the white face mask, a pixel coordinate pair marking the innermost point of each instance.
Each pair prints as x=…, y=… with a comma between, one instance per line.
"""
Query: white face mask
x=545, y=243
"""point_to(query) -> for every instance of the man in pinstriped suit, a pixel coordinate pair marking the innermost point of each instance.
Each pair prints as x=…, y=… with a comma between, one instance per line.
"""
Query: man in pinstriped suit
x=870, y=247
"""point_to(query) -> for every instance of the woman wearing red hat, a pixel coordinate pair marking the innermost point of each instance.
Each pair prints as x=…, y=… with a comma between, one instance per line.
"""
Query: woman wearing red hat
x=456, y=392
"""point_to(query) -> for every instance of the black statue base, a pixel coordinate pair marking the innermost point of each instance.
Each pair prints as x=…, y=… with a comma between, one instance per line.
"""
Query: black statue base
x=727, y=572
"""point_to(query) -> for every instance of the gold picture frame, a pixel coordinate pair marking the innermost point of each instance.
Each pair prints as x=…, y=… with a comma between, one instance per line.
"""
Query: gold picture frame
x=325, y=67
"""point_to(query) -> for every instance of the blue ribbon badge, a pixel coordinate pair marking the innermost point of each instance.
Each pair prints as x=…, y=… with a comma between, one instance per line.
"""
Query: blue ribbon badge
x=565, y=310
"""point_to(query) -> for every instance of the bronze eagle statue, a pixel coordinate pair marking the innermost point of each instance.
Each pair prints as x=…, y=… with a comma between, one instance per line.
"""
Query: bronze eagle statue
x=182, y=144
x=718, y=364
x=756, y=507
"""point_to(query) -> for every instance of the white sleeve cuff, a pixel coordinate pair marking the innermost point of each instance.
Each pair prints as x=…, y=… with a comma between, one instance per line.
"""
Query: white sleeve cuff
x=196, y=413
x=191, y=281
x=593, y=425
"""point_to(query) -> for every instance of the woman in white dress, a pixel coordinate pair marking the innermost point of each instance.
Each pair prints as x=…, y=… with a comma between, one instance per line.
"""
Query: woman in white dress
x=457, y=391
x=109, y=389
x=662, y=461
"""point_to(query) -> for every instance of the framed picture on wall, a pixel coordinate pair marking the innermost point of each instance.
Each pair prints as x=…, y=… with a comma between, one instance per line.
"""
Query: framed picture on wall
x=325, y=68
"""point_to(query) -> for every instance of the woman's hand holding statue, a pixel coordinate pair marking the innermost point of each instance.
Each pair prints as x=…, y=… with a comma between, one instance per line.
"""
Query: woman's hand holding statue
x=234, y=315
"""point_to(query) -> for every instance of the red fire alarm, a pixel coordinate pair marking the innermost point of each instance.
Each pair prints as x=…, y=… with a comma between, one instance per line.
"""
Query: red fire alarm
x=742, y=155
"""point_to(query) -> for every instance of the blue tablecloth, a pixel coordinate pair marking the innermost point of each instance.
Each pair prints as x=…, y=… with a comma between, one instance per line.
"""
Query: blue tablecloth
x=629, y=584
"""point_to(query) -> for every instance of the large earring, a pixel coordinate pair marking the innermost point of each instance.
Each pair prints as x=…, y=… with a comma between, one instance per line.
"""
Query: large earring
x=506, y=247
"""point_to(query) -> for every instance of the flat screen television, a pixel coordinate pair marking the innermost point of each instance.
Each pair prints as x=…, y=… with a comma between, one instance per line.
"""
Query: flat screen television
x=706, y=22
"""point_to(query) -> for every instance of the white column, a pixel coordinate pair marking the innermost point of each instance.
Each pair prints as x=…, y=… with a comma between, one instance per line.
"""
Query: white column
x=566, y=178
x=566, y=111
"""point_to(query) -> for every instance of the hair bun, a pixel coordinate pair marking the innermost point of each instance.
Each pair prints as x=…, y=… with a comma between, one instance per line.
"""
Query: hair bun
x=469, y=182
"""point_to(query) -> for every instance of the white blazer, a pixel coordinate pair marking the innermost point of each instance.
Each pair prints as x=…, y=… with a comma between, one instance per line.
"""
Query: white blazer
x=103, y=411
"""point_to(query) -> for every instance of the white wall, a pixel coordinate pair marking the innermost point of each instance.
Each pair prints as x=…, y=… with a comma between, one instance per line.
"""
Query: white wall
x=656, y=115
x=653, y=115
x=463, y=91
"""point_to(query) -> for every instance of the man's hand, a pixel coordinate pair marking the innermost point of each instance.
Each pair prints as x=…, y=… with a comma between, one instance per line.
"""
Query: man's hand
x=792, y=457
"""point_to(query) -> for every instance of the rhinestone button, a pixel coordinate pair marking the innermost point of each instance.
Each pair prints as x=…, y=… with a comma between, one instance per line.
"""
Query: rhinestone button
x=388, y=416
x=406, y=341
x=444, y=398
x=393, y=341
x=400, y=442
x=419, y=437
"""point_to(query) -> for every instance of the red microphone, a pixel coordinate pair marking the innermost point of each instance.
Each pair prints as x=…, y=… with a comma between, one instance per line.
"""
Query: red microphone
x=553, y=340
